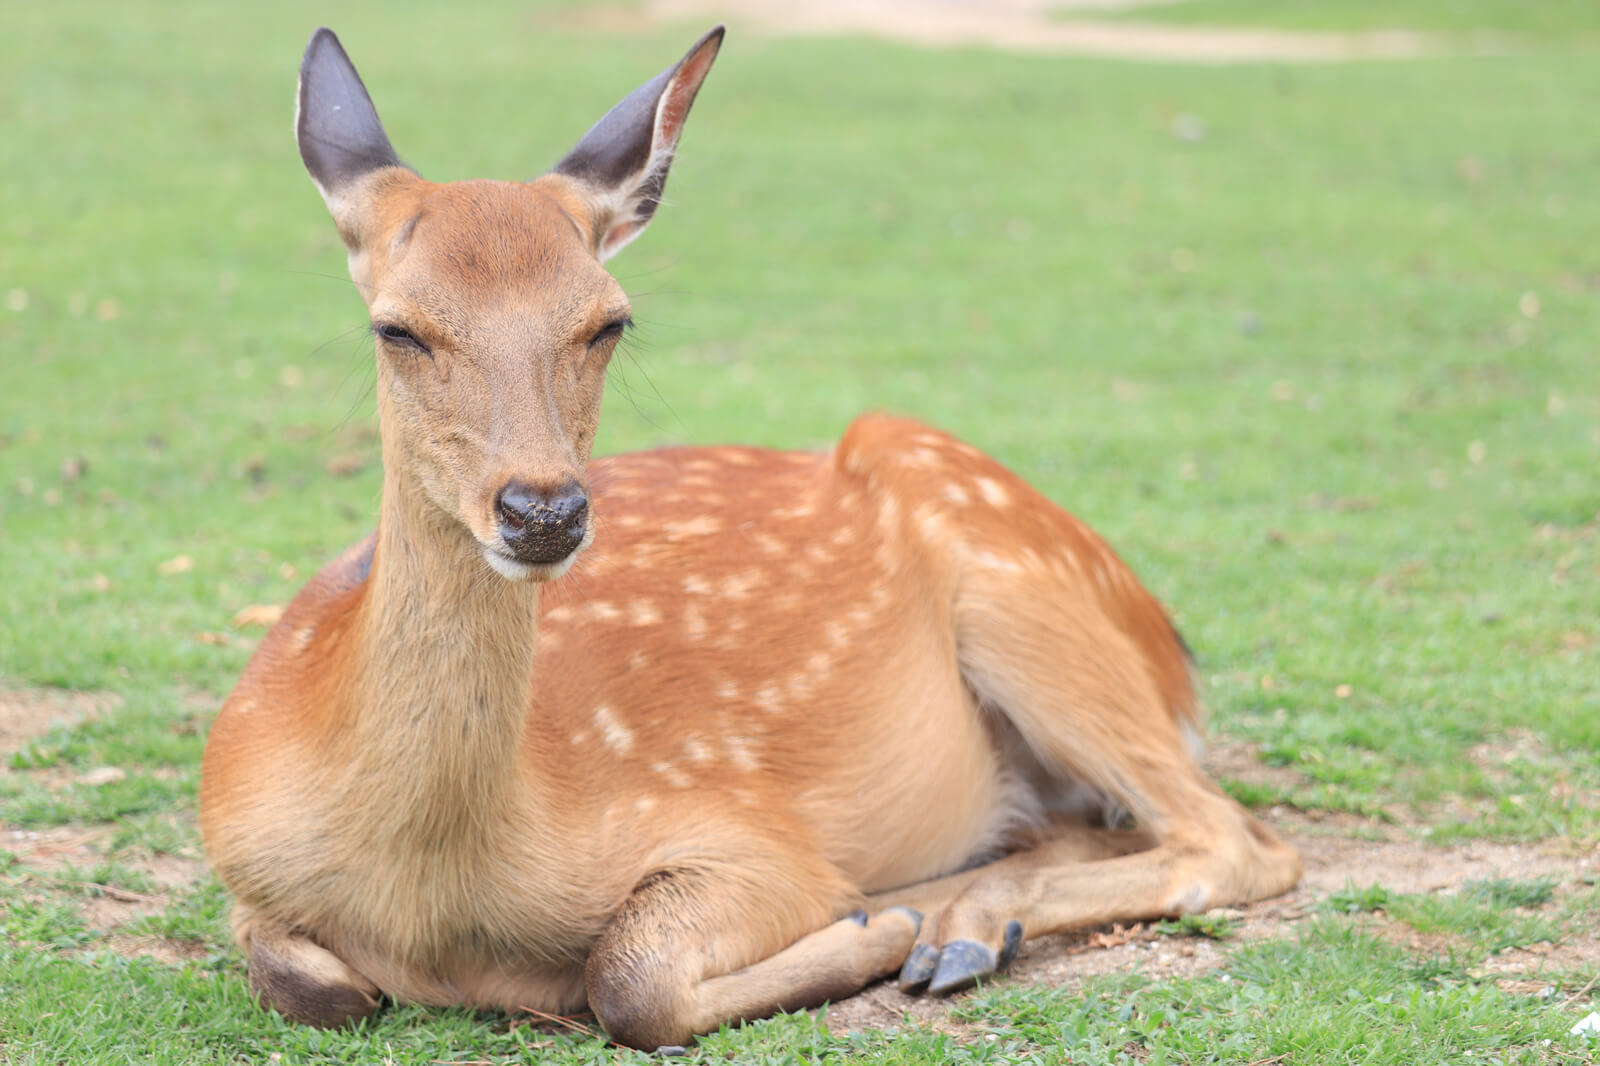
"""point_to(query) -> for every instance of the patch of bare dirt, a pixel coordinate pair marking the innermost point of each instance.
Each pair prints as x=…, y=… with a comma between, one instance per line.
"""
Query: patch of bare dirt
x=1574, y=955
x=32, y=712
x=161, y=948
x=1035, y=26
x=1333, y=858
x=42, y=854
x=1239, y=761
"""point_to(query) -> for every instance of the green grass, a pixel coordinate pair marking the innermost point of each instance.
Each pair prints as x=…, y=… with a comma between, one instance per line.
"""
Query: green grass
x=1325, y=375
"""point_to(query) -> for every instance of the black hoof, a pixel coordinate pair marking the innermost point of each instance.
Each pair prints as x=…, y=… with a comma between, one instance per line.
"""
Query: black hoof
x=919, y=968
x=961, y=964
x=858, y=916
x=1013, y=944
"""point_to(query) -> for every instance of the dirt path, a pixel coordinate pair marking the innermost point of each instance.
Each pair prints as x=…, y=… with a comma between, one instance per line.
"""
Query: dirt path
x=1036, y=26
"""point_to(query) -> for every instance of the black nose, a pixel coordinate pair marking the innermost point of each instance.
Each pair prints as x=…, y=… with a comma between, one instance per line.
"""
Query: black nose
x=542, y=526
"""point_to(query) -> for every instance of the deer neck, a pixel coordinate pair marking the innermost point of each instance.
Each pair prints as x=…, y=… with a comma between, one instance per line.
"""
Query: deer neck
x=447, y=664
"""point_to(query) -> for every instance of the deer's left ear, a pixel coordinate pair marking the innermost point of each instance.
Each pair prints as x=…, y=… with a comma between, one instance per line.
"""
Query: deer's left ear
x=623, y=161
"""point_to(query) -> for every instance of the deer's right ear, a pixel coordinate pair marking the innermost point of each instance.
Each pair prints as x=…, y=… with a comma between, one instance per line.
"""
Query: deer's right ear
x=341, y=140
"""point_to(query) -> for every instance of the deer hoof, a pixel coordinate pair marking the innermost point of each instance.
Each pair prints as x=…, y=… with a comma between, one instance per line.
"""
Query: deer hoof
x=919, y=968
x=961, y=963
x=1011, y=945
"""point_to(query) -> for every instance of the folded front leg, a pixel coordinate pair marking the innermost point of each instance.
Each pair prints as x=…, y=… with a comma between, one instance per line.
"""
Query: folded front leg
x=693, y=948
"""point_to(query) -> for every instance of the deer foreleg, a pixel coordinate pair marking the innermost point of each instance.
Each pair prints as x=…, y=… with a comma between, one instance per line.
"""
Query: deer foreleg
x=671, y=963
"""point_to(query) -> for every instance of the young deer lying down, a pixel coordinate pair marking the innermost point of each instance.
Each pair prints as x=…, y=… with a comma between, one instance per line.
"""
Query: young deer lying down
x=806, y=720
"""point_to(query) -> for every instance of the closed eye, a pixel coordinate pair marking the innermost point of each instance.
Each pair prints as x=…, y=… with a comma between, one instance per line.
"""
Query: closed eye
x=611, y=331
x=398, y=336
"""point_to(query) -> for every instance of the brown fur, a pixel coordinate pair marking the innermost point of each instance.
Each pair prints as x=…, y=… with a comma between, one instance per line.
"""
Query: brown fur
x=776, y=685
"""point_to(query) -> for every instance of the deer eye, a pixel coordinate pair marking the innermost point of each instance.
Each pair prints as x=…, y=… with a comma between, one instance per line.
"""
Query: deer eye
x=611, y=331
x=398, y=336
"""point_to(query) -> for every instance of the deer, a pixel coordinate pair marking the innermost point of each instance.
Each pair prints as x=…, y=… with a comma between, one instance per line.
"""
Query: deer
x=690, y=736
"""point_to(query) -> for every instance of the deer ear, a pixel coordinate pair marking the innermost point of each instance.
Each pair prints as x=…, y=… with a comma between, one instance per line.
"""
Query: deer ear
x=623, y=160
x=341, y=139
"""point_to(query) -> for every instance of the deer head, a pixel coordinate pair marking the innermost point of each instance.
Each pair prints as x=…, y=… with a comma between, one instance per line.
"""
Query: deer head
x=493, y=315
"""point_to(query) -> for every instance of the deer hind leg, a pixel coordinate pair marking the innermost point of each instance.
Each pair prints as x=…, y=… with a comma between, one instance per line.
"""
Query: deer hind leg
x=299, y=978
x=695, y=947
x=1084, y=698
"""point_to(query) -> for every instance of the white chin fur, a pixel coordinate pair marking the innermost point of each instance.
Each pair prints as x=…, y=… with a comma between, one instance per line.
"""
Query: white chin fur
x=512, y=570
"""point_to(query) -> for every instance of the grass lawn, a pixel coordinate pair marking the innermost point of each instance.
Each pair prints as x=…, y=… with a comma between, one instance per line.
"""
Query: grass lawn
x=1316, y=347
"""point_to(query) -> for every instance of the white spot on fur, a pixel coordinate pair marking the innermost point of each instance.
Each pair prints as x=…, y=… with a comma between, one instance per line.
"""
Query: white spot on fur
x=643, y=613
x=932, y=525
x=696, y=751
x=603, y=611
x=843, y=535
x=990, y=561
x=579, y=737
x=565, y=613
x=638, y=661
x=956, y=494
x=615, y=735
x=837, y=633
x=889, y=515
x=694, y=623
x=644, y=804
x=741, y=753
x=768, y=699
x=701, y=526
x=695, y=585
x=727, y=690
x=798, y=687
x=302, y=637
x=992, y=492
x=675, y=777
x=819, y=665
x=738, y=586
x=819, y=555
x=629, y=521
x=768, y=544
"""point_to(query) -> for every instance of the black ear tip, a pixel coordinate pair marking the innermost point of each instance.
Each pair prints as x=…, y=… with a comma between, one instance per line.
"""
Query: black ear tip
x=321, y=41
x=712, y=38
